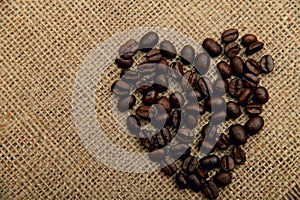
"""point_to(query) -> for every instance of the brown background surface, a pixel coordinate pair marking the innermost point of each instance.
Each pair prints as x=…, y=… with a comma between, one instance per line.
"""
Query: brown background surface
x=42, y=47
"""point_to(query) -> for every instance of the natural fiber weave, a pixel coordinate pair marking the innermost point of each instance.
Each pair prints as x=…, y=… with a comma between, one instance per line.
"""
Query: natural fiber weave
x=43, y=45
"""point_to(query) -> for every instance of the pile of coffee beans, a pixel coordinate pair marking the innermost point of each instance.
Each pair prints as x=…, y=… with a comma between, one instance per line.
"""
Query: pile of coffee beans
x=175, y=116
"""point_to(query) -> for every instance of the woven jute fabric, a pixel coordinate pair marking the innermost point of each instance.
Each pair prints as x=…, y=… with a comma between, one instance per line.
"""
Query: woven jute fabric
x=43, y=45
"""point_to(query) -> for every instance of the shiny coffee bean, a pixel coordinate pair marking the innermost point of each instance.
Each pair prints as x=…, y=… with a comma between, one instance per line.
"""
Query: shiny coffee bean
x=175, y=118
x=185, y=136
x=248, y=39
x=150, y=97
x=179, y=150
x=254, y=125
x=144, y=87
x=227, y=163
x=245, y=97
x=143, y=112
x=128, y=49
x=238, y=155
x=167, y=49
x=232, y=49
x=209, y=162
x=209, y=130
x=235, y=87
x=189, y=80
x=189, y=165
x=253, y=109
x=148, y=41
x=252, y=66
x=194, y=109
x=162, y=66
x=206, y=146
x=250, y=80
x=176, y=100
x=176, y=70
x=238, y=134
x=163, y=137
x=223, y=142
x=170, y=167
x=146, y=68
x=201, y=174
x=254, y=47
x=126, y=103
x=202, y=63
x=161, y=83
x=233, y=110
x=205, y=86
x=220, y=87
x=157, y=155
x=133, y=125
x=190, y=121
x=193, y=95
x=237, y=66
x=224, y=69
x=194, y=183
x=163, y=101
x=123, y=63
x=218, y=117
x=261, y=95
x=181, y=180
x=215, y=104
x=212, y=47
x=229, y=35
x=153, y=55
x=129, y=76
x=146, y=139
x=187, y=54
x=267, y=64
x=210, y=190
x=222, y=179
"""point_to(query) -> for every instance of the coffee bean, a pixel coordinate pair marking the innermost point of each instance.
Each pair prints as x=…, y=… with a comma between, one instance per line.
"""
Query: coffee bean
x=238, y=155
x=220, y=87
x=224, y=69
x=189, y=80
x=127, y=103
x=222, y=179
x=162, y=66
x=232, y=49
x=250, y=80
x=187, y=54
x=148, y=41
x=237, y=66
x=252, y=66
x=146, y=139
x=218, y=117
x=189, y=164
x=254, y=47
x=191, y=121
x=181, y=180
x=233, y=110
x=209, y=162
x=161, y=83
x=238, y=134
x=194, y=94
x=176, y=70
x=253, y=109
x=167, y=49
x=175, y=119
x=163, y=137
x=146, y=68
x=128, y=49
x=144, y=87
x=194, y=109
x=194, y=182
x=235, y=87
x=227, y=164
x=150, y=97
x=202, y=63
x=261, y=95
x=185, y=136
x=176, y=100
x=179, y=150
x=158, y=116
x=133, y=125
x=129, y=76
x=212, y=47
x=170, y=167
x=153, y=55
x=201, y=174
x=223, y=142
x=143, y=112
x=163, y=101
x=230, y=35
x=248, y=39
x=254, y=125
x=267, y=64
x=205, y=86
x=113, y=85
x=215, y=104
x=157, y=155
x=209, y=130
x=206, y=146
x=245, y=97
x=121, y=88
x=210, y=190
x=123, y=63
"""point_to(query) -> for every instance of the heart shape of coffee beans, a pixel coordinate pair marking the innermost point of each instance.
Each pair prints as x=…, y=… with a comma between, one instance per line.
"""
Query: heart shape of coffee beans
x=177, y=115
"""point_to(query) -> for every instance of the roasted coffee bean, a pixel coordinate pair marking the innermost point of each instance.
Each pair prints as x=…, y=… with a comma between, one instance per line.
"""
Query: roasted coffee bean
x=129, y=76
x=150, y=97
x=261, y=95
x=238, y=155
x=163, y=101
x=212, y=47
x=218, y=117
x=123, y=63
x=248, y=39
x=143, y=112
x=176, y=100
x=267, y=64
x=202, y=63
x=252, y=66
x=176, y=70
x=162, y=66
x=163, y=137
x=235, y=87
x=230, y=35
x=126, y=103
x=153, y=55
x=223, y=142
x=194, y=94
x=194, y=182
x=157, y=155
x=180, y=150
x=133, y=125
x=201, y=174
x=209, y=130
x=227, y=163
x=254, y=47
x=161, y=83
x=128, y=49
x=167, y=49
x=189, y=164
x=187, y=54
x=189, y=80
x=207, y=146
x=146, y=139
x=185, y=136
x=170, y=167
x=215, y=104
x=232, y=49
x=238, y=134
x=181, y=180
x=245, y=97
x=237, y=66
x=210, y=190
x=120, y=88
x=175, y=118
x=148, y=41
x=191, y=121
x=113, y=85
x=224, y=69
x=250, y=80
x=233, y=110
x=144, y=87
x=146, y=68
x=220, y=86
x=158, y=116
x=194, y=108
x=205, y=86
x=209, y=162
x=254, y=125
x=222, y=179
x=253, y=109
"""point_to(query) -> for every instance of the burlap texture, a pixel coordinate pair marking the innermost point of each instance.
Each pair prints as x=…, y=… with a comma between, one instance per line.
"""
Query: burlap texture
x=42, y=47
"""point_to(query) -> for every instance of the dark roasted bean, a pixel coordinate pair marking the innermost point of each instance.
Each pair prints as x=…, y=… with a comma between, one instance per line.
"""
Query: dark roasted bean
x=176, y=100
x=161, y=83
x=148, y=41
x=233, y=110
x=267, y=64
x=205, y=86
x=181, y=180
x=224, y=69
x=223, y=142
x=230, y=35
x=159, y=117
x=209, y=162
x=238, y=134
x=175, y=119
x=153, y=55
x=248, y=39
x=212, y=47
x=252, y=66
x=176, y=70
x=126, y=103
x=165, y=103
x=210, y=190
x=232, y=49
x=250, y=80
x=146, y=139
x=170, y=167
x=167, y=49
x=202, y=63
x=189, y=80
x=245, y=97
x=123, y=63
x=261, y=95
x=150, y=97
x=209, y=130
x=128, y=49
x=254, y=125
x=201, y=174
x=163, y=137
x=235, y=87
x=189, y=164
x=194, y=182
x=113, y=85
x=227, y=163
x=222, y=179
x=238, y=155
x=253, y=109
x=187, y=54
x=134, y=125
x=143, y=112
x=237, y=66
x=254, y=47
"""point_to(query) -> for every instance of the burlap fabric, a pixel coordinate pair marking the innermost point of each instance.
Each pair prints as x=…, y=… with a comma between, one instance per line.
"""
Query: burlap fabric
x=42, y=47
